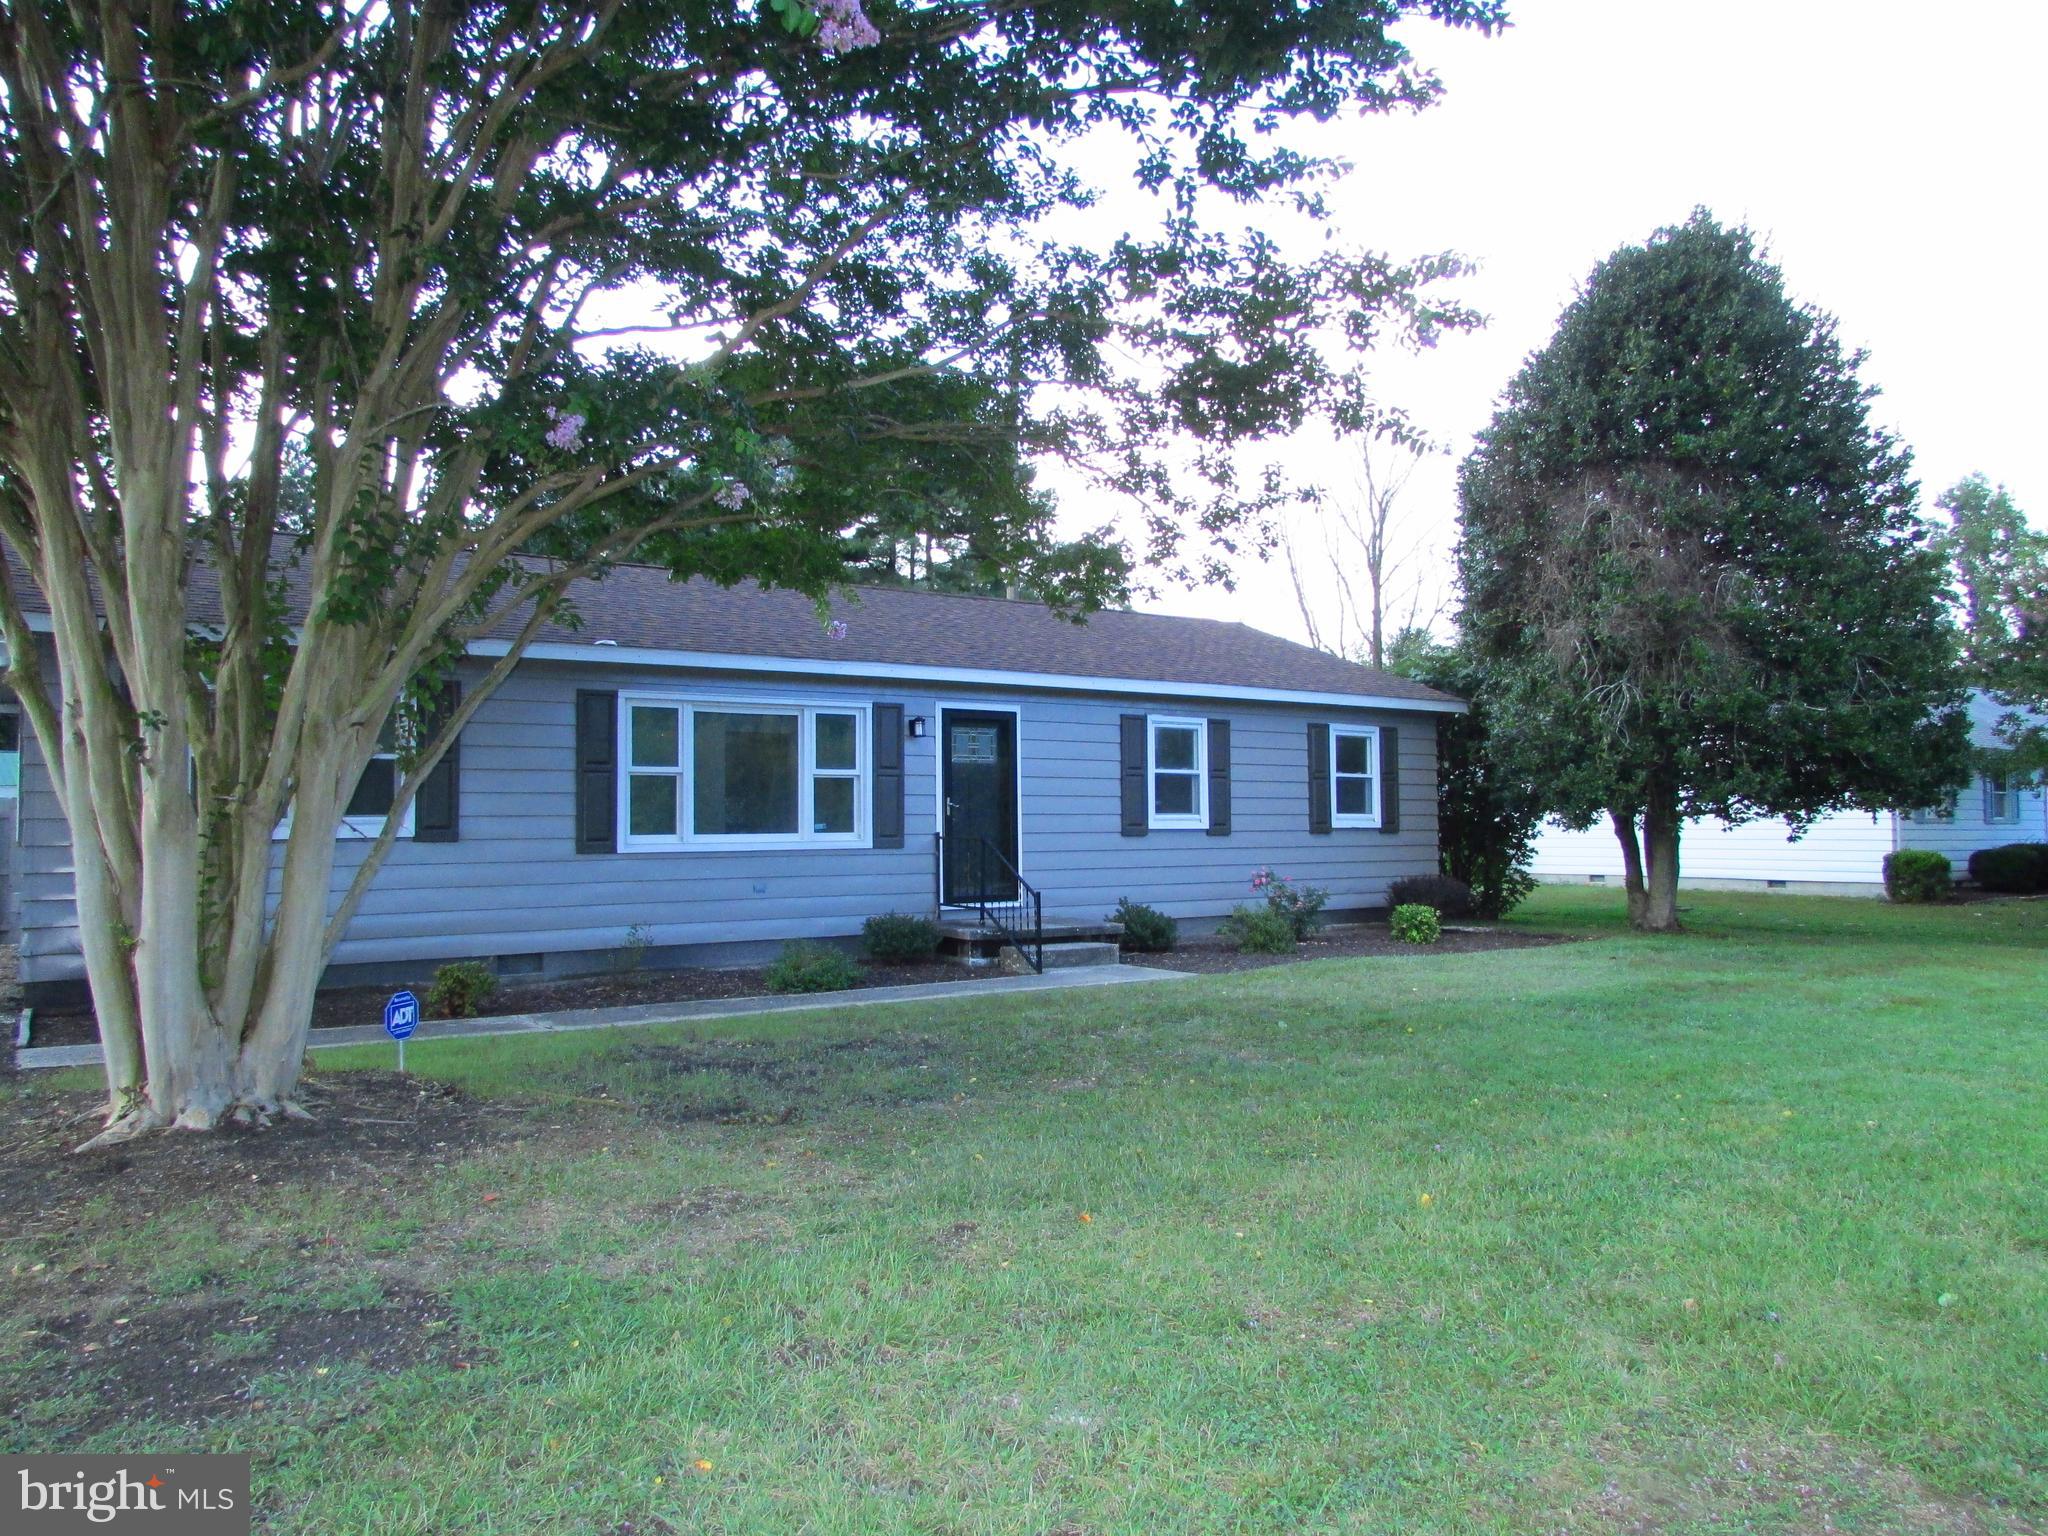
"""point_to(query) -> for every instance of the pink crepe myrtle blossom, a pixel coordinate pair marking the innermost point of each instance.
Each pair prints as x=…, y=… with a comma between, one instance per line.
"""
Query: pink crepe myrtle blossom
x=732, y=495
x=836, y=630
x=844, y=26
x=567, y=431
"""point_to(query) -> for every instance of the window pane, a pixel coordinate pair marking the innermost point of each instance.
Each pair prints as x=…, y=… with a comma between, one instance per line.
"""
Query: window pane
x=374, y=790
x=832, y=805
x=1173, y=746
x=1173, y=794
x=1351, y=755
x=654, y=737
x=651, y=805
x=836, y=741
x=1354, y=797
x=746, y=774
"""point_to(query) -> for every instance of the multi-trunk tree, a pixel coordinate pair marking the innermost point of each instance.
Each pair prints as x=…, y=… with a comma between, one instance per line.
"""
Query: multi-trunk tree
x=333, y=334
x=2000, y=561
x=1693, y=574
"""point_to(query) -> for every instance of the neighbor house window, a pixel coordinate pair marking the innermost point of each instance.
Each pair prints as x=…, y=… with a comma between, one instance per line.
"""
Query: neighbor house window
x=1178, y=772
x=2001, y=800
x=1354, y=776
x=741, y=775
x=1933, y=815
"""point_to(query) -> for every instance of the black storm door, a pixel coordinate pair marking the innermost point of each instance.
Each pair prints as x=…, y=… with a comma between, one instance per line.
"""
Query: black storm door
x=978, y=783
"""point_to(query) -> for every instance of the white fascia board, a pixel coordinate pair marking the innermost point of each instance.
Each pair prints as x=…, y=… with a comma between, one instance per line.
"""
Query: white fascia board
x=713, y=661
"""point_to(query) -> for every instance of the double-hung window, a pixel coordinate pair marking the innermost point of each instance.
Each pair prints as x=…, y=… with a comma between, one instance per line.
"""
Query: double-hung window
x=2001, y=800
x=369, y=804
x=742, y=775
x=1354, y=776
x=1932, y=815
x=1177, y=772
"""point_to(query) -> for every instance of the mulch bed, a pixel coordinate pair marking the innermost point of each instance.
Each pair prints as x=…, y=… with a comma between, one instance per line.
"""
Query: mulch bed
x=1211, y=955
x=367, y=1126
x=342, y=1007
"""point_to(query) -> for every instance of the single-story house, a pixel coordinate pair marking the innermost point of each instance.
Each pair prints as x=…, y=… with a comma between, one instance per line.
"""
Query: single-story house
x=1840, y=854
x=700, y=773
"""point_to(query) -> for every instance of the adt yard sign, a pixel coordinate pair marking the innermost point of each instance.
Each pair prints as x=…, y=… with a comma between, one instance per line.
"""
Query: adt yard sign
x=401, y=1018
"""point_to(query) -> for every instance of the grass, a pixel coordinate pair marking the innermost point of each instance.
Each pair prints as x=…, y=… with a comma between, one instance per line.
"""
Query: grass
x=1740, y=1231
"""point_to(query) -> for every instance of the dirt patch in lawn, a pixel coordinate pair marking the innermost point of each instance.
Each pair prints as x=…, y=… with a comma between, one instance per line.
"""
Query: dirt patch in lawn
x=776, y=1082
x=345, y=1007
x=1210, y=955
x=188, y=1362
x=367, y=1126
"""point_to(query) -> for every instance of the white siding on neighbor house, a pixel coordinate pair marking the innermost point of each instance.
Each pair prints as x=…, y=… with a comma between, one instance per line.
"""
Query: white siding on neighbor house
x=513, y=883
x=1844, y=848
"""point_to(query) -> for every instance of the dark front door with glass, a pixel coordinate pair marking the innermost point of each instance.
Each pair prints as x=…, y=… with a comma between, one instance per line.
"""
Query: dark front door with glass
x=978, y=784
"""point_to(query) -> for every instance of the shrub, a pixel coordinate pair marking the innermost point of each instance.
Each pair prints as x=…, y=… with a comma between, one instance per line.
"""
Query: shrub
x=1298, y=904
x=807, y=967
x=1450, y=896
x=1916, y=874
x=1147, y=930
x=896, y=936
x=1415, y=923
x=460, y=988
x=2016, y=869
x=1259, y=931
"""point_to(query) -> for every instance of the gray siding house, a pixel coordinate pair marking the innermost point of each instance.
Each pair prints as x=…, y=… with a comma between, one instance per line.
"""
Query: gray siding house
x=702, y=773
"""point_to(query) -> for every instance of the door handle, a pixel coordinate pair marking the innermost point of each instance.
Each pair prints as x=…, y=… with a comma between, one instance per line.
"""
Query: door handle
x=952, y=806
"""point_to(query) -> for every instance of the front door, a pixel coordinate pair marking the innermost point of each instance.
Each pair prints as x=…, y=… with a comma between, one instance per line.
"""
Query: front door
x=978, y=785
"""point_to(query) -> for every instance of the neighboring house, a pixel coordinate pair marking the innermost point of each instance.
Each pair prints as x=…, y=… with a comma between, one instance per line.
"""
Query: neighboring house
x=1842, y=853
x=703, y=772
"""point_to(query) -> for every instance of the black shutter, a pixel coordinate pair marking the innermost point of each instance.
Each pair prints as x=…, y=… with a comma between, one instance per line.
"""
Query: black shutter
x=437, y=807
x=1136, y=822
x=1318, y=776
x=597, y=771
x=888, y=821
x=1390, y=779
x=1219, y=778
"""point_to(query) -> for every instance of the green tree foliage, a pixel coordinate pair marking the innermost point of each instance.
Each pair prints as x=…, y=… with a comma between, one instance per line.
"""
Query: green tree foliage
x=2000, y=562
x=448, y=305
x=1486, y=813
x=1693, y=575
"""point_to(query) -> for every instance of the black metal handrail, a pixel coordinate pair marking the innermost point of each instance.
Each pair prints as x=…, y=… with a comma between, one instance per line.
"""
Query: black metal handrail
x=1019, y=919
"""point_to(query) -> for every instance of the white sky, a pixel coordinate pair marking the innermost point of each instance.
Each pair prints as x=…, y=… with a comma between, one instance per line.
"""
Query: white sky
x=1890, y=155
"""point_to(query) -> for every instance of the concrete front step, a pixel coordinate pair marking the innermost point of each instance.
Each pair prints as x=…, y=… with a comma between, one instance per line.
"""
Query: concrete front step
x=1059, y=957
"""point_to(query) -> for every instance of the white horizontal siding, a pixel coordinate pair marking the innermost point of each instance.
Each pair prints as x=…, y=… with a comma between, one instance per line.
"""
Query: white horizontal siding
x=1845, y=848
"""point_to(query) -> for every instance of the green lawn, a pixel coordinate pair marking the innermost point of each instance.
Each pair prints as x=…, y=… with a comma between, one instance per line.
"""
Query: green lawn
x=1744, y=1230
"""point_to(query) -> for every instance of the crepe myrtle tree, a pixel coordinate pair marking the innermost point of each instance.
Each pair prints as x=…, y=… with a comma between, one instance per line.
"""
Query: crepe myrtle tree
x=334, y=335
x=1694, y=580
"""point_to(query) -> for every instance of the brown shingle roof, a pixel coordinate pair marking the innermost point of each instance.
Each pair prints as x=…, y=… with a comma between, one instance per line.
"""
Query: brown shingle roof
x=640, y=608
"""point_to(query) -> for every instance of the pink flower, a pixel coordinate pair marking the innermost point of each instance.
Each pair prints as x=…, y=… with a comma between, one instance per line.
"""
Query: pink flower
x=732, y=495
x=567, y=431
x=836, y=630
x=844, y=26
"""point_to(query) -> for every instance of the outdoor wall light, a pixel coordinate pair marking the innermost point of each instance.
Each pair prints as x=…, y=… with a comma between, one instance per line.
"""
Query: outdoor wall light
x=914, y=726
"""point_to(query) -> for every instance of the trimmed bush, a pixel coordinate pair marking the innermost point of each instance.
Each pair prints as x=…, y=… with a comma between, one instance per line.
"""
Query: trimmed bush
x=1259, y=931
x=1416, y=923
x=807, y=967
x=460, y=988
x=1917, y=875
x=1147, y=930
x=1450, y=896
x=2015, y=869
x=896, y=936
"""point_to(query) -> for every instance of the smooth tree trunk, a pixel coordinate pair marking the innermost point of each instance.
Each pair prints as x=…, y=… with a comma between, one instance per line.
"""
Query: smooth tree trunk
x=1660, y=859
x=1626, y=834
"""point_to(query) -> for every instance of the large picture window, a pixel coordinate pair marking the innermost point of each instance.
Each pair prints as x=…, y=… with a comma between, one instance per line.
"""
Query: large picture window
x=1354, y=776
x=742, y=774
x=1178, y=772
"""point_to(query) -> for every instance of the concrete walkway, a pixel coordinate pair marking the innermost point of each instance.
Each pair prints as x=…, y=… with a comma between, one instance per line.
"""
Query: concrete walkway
x=41, y=1056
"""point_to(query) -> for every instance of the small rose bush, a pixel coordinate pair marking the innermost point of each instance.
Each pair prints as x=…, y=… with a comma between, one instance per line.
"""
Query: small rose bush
x=1300, y=905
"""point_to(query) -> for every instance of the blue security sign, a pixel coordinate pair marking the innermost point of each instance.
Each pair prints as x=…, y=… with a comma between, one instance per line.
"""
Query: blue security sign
x=401, y=1015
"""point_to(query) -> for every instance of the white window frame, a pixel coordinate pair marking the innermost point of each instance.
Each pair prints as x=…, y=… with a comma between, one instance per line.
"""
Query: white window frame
x=2009, y=793
x=1375, y=775
x=1166, y=821
x=806, y=711
x=357, y=828
x=1933, y=815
